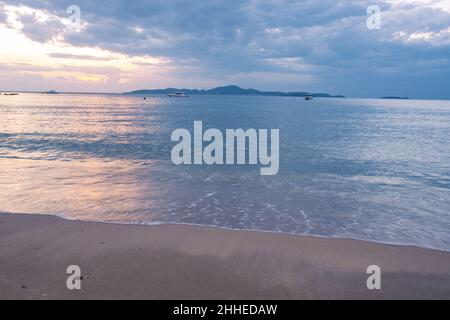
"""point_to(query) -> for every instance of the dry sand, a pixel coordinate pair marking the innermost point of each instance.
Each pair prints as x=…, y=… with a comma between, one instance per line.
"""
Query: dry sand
x=190, y=262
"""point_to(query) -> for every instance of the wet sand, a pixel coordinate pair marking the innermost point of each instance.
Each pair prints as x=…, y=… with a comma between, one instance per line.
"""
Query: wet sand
x=191, y=262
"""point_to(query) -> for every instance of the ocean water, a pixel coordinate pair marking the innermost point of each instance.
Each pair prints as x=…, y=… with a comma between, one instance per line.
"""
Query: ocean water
x=376, y=170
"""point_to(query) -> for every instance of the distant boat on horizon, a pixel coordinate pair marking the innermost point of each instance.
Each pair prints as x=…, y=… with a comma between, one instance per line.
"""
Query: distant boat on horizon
x=395, y=98
x=50, y=92
x=178, y=95
x=308, y=96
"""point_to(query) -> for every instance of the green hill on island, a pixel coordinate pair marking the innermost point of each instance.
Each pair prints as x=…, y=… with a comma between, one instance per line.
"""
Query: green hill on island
x=231, y=90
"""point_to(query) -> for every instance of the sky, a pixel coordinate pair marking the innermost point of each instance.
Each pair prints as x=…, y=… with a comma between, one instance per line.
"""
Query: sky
x=309, y=45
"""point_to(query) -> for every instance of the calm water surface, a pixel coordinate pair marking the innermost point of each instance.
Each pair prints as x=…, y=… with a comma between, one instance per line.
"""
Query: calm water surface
x=368, y=169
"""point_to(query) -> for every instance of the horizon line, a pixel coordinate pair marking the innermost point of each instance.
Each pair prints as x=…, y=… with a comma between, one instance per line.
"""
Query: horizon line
x=128, y=93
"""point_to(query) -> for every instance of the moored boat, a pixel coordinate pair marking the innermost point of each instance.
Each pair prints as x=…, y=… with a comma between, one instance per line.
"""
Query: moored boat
x=178, y=95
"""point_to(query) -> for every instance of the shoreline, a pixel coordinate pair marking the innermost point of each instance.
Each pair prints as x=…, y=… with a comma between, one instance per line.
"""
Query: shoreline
x=155, y=224
x=177, y=261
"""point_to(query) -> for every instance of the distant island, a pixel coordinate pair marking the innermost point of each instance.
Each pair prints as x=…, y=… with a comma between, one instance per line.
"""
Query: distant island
x=400, y=98
x=232, y=90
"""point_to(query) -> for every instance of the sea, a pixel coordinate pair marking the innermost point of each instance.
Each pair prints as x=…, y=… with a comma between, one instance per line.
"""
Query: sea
x=369, y=169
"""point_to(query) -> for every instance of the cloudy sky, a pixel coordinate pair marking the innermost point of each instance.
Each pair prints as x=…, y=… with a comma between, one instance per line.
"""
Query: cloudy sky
x=308, y=45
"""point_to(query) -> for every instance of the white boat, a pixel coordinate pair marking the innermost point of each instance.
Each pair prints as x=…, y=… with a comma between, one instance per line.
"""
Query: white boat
x=50, y=92
x=309, y=96
x=178, y=95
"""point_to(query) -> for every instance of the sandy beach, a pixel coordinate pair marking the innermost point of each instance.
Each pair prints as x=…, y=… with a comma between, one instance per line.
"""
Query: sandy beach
x=190, y=262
